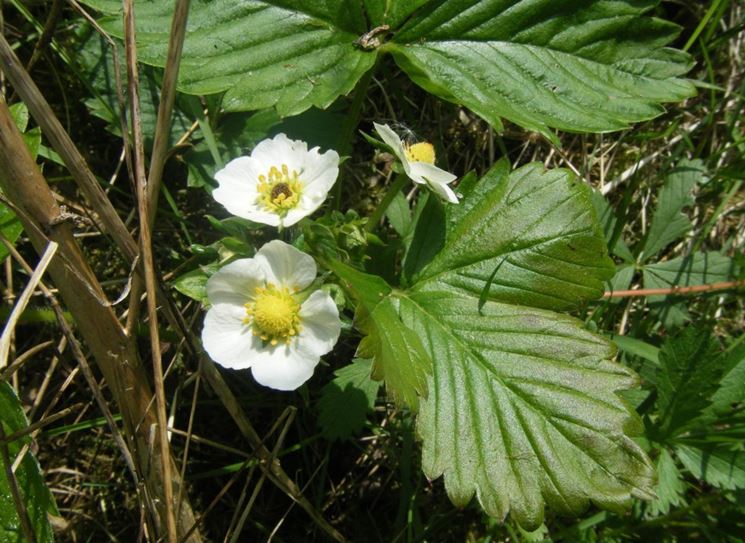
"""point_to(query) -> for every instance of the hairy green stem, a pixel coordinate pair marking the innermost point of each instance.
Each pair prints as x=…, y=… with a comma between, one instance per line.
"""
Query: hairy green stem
x=396, y=186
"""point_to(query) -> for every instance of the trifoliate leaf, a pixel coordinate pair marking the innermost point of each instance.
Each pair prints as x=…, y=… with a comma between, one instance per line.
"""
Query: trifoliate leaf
x=37, y=499
x=716, y=465
x=346, y=400
x=522, y=409
x=583, y=66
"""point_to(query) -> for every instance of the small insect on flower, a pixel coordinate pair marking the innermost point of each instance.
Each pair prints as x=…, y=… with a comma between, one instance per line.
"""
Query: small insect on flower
x=264, y=318
x=418, y=160
x=279, y=183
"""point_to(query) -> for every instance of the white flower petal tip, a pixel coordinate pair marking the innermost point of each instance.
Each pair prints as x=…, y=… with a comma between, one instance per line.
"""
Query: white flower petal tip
x=261, y=318
x=279, y=183
x=418, y=160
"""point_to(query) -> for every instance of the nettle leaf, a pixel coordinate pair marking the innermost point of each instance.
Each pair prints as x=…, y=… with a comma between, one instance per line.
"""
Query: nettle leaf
x=732, y=385
x=536, y=229
x=595, y=65
x=584, y=66
x=717, y=465
x=347, y=399
x=398, y=354
x=288, y=54
x=37, y=498
x=689, y=373
x=668, y=222
x=670, y=487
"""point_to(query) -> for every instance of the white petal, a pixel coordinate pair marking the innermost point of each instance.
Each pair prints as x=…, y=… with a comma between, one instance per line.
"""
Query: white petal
x=320, y=324
x=320, y=171
x=237, y=186
x=392, y=140
x=304, y=208
x=436, y=178
x=236, y=282
x=284, y=369
x=286, y=266
x=227, y=340
x=280, y=150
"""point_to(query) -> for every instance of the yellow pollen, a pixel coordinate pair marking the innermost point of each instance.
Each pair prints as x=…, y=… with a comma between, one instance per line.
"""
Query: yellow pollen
x=274, y=315
x=420, y=152
x=279, y=190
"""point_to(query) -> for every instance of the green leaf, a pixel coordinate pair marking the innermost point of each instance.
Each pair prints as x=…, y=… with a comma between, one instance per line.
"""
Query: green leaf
x=583, y=66
x=609, y=222
x=537, y=226
x=522, y=409
x=37, y=498
x=290, y=55
x=689, y=372
x=346, y=400
x=397, y=353
x=670, y=487
x=399, y=214
x=668, y=223
x=194, y=283
x=732, y=386
x=638, y=348
x=588, y=66
x=718, y=466
x=96, y=62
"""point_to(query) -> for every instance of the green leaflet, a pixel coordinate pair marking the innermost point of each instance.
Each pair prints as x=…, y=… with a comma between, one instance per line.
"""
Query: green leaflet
x=537, y=226
x=670, y=487
x=398, y=355
x=717, y=465
x=668, y=223
x=38, y=500
x=595, y=65
x=290, y=55
x=346, y=400
x=522, y=410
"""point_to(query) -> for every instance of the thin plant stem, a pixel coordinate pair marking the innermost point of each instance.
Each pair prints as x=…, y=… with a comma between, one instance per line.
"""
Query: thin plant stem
x=676, y=291
x=344, y=145
x=395, y=188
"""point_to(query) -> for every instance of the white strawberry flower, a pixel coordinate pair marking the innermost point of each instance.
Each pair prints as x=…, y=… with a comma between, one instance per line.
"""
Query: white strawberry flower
x=418, y=161
x=279, y=183
x=262, y=317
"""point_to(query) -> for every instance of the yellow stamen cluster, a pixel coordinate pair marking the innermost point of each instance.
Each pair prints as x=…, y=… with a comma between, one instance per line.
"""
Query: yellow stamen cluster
x=279, y=190
x=274, y=314
x=420, y=152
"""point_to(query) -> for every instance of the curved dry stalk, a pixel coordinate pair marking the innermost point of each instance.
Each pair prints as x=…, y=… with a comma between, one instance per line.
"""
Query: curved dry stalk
x=675, y=291
x=114, y=351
